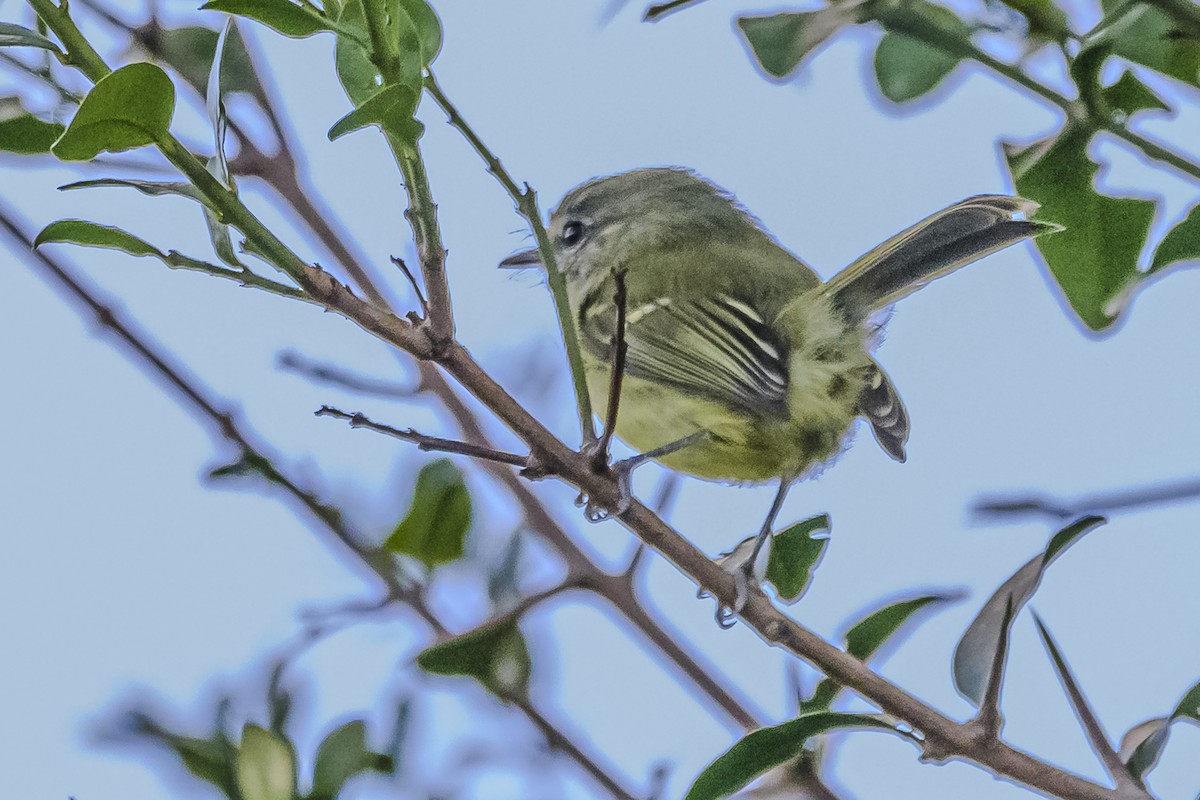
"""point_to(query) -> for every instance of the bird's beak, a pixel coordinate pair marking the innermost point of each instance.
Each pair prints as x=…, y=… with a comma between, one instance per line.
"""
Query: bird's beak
x=522, y=258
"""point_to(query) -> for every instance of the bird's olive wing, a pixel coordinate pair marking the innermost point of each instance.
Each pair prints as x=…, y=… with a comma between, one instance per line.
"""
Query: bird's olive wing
x=717, y=347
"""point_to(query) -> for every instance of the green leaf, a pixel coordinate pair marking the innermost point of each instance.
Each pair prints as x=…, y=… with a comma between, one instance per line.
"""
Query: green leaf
x=1182, y=243
x=16, y=36
x=795, y=554
x=1142, y=745
x=152, y=188
x=1150, y=37
x=282, y=15
x=91, y=234
x=266, y=765
x=22, y=132
x=781, y=41
x=340, y=757
x=128, y=108
x=210, y=760
x=428, y=27
x=189, y=51
x=1095, y=260
x=868, y=635
x=1129, y=95
x=1046, y=20
x=391, y=109
x=494, y=654
x=976, y=650
x=907, y=68
x=765, y=748
x=435, y=529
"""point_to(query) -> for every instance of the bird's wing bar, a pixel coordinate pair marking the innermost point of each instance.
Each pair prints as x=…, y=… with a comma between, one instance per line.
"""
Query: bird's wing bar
x=716, y=347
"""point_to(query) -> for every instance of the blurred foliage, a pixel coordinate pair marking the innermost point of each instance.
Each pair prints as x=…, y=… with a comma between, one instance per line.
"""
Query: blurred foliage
x=1097, y=261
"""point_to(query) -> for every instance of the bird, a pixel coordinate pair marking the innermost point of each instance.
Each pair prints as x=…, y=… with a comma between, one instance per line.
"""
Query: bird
x=742, y=365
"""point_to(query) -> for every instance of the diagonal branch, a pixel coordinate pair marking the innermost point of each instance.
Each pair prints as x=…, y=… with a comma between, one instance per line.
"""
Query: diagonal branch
x=187, y=389
x=616, y=374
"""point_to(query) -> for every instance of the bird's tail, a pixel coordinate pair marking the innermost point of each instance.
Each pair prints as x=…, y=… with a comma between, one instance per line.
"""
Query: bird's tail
x=935, y=246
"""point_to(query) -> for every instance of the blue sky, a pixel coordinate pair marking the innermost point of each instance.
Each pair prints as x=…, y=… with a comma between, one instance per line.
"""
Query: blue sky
x=123, y=571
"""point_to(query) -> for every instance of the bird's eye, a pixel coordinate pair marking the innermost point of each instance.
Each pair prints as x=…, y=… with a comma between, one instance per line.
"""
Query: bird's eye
x=572, y=233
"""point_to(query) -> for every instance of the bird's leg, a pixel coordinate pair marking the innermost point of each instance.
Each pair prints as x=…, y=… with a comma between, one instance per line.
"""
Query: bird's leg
x=743, y=571
x=624, y=472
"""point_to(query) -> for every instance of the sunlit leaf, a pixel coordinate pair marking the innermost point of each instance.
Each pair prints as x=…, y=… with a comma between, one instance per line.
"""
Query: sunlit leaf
x=976, y=651
x=284, y=16
x=1182, y=243
x=765, y=748
x=129, y=108
x=794, y=555
x=435, y=529
x=781, y=41
x=266, y=765
x=17, y=36
x=91, y=234
x=495, y=655
x=1095, y=258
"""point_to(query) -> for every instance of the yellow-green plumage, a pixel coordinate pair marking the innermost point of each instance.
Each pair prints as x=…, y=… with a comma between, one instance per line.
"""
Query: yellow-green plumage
x=730, y=334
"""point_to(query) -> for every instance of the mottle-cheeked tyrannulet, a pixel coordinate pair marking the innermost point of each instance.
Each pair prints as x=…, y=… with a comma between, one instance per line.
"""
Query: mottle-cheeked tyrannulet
x=734, y=344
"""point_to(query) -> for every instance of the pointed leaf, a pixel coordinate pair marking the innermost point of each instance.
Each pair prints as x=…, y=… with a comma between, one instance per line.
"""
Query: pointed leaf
x=17, y=36
x=794, y=555
x=151, y=188
x=342, y=755
x=266, y=765
x=865, y=638
x=1128, y=95
x=1095, y=259
x=976, y=651
x=91, y=234
x=391, y=109
x=435, y=529
x=769, y=747
x=781, y=41
x=128, y=108
x=284, y=16
x=494, y=654
x=1182, y=243
x=1046, y=20
x=1143, y=744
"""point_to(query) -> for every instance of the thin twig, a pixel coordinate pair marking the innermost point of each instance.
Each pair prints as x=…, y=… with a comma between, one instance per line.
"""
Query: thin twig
x=989, y=719
x=1100, y=503
x=526, y=200
x=616, y=374
x=423, y=442
x=412, y=281
x=334, y=375
x=186, y=388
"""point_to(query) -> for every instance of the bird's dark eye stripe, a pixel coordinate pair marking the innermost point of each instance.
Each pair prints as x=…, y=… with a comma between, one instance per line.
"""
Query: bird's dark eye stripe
x=572, y=232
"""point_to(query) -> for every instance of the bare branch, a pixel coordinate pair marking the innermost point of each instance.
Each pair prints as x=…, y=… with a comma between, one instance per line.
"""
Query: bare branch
x=659, y=10
x=423, y=442
x=1099, y=503
x=333, y=375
